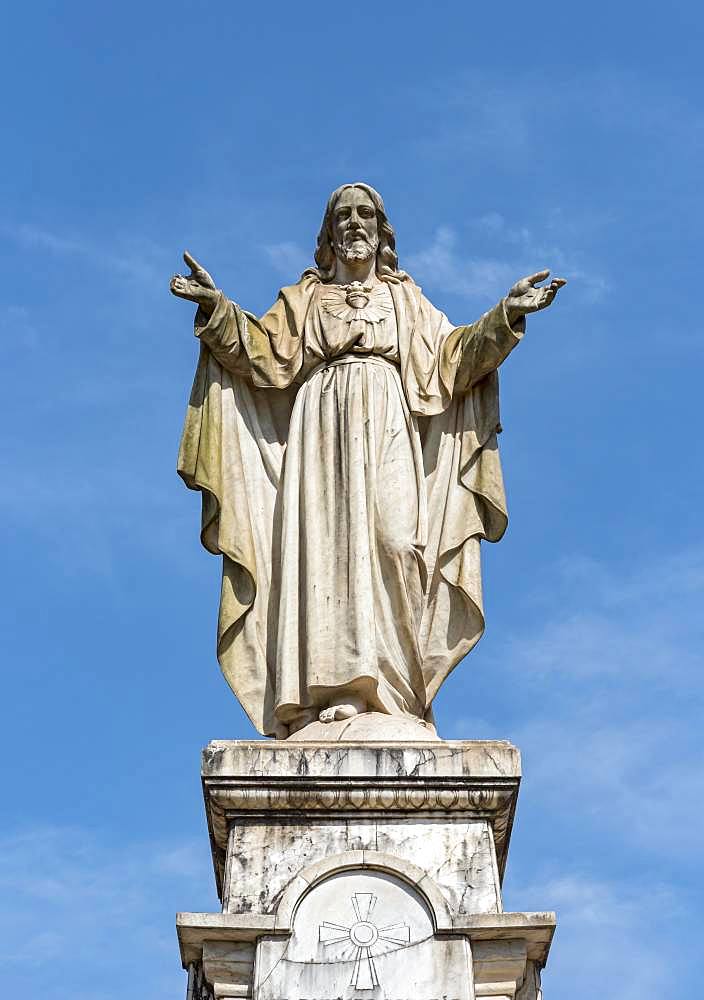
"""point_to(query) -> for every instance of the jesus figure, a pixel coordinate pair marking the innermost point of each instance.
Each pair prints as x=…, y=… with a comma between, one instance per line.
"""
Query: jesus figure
x=345, y=448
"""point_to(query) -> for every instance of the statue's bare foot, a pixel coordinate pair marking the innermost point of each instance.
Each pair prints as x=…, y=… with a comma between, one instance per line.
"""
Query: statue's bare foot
x=336, y=713
x=343, y=710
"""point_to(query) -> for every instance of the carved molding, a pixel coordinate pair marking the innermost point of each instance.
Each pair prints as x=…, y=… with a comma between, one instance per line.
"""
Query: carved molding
x=476, y=798
x=348, y=796
x=227, y=799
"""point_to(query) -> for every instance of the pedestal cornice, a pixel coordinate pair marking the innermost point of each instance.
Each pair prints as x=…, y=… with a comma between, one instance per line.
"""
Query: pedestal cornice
x=472, y=779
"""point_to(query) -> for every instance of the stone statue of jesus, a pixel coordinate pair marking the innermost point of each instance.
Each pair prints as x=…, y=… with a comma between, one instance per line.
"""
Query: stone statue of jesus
x=345, y=448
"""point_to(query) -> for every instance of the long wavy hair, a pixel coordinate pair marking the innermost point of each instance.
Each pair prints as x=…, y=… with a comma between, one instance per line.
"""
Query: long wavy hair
x=386, y=257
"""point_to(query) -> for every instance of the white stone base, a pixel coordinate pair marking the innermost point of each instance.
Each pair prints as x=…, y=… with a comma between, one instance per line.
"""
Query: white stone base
x=362, y=871
x=366, y=728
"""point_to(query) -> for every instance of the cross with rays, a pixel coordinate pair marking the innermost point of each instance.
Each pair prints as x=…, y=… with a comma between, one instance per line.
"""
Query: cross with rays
x=361, y=937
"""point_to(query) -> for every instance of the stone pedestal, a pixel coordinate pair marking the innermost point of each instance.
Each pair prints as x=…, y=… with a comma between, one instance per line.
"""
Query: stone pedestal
x=362, y=871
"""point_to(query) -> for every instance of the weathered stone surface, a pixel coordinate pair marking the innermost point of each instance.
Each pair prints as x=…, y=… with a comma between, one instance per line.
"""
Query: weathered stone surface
x=363, y=934
x=277, y=799
x=286, y=759
x=304, y=833
x=357, y=856
x=264, y=857
x=368, y=726
x=508, y=950
x=530, y=989
x=351, y=570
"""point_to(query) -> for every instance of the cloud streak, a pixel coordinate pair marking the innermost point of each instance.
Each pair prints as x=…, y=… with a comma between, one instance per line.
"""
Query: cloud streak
x=610, y=934
x=445, y=268
x=644, y=623
x=495, y=117
x=288, y=259
x=66, y=897
x=145, y=263
x=605, y=687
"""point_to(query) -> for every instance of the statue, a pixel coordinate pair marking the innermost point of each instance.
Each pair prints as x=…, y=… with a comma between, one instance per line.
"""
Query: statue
x=345, y=448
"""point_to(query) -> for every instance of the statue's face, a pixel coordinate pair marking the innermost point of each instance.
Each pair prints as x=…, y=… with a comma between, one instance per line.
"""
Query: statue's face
x=354, y=226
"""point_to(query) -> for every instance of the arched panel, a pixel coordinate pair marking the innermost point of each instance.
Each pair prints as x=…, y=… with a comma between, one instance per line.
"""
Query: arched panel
x=361, y=933
x=378, y=861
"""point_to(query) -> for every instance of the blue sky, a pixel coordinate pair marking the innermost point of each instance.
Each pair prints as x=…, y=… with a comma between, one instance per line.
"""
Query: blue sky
x=504, y=138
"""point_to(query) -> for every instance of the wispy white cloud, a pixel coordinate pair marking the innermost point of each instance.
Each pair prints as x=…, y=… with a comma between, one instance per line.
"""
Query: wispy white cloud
x=507, y=117
x=623, y=779
x=641, y=623
x=143, y=262
x=610, y=933
x=66, y=897
x=86, y=516
x=610, y=673
x=441, y=267
x=288, y=259
x=445, y=267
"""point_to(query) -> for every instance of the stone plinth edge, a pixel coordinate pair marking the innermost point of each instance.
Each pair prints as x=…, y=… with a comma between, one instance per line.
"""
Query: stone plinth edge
x=473, y=779
x=505, y=946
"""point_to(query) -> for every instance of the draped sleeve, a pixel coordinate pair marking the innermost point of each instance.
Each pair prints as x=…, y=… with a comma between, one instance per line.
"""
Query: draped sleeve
x=269, y=349
x=449, y=375
x=232, y=450
x=470, y=353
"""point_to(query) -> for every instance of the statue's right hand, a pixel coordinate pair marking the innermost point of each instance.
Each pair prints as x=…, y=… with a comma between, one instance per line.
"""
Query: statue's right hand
x=197, y=286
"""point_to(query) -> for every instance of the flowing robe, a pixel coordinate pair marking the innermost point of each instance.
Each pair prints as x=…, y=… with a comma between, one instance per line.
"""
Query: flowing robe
x=348, y=472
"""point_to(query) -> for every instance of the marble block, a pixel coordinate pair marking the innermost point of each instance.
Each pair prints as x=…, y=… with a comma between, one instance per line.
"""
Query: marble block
x=363, y=934
x=362, y=871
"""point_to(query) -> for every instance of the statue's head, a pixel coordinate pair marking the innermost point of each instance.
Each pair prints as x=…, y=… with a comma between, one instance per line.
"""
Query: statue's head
x=355, y=227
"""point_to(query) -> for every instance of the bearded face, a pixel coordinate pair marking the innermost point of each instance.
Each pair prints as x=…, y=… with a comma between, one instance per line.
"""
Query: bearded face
x=355, y=235
x=356, y=248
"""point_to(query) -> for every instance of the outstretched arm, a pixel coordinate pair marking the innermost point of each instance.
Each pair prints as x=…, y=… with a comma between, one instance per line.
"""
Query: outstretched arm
x=482, y=346
x=217, y=321
x=266, y=349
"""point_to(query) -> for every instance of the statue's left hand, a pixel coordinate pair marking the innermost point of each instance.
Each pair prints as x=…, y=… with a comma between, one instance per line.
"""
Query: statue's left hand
x=525, y=297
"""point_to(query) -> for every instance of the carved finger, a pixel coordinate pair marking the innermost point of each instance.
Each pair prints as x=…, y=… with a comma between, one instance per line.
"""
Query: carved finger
x=198, y=271
x=533, y=279
x=192, y=262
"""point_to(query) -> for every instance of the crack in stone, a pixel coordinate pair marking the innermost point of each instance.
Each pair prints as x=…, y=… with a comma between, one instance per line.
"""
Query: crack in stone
x=493, y=760
x=425, y=757
x=342, y=759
